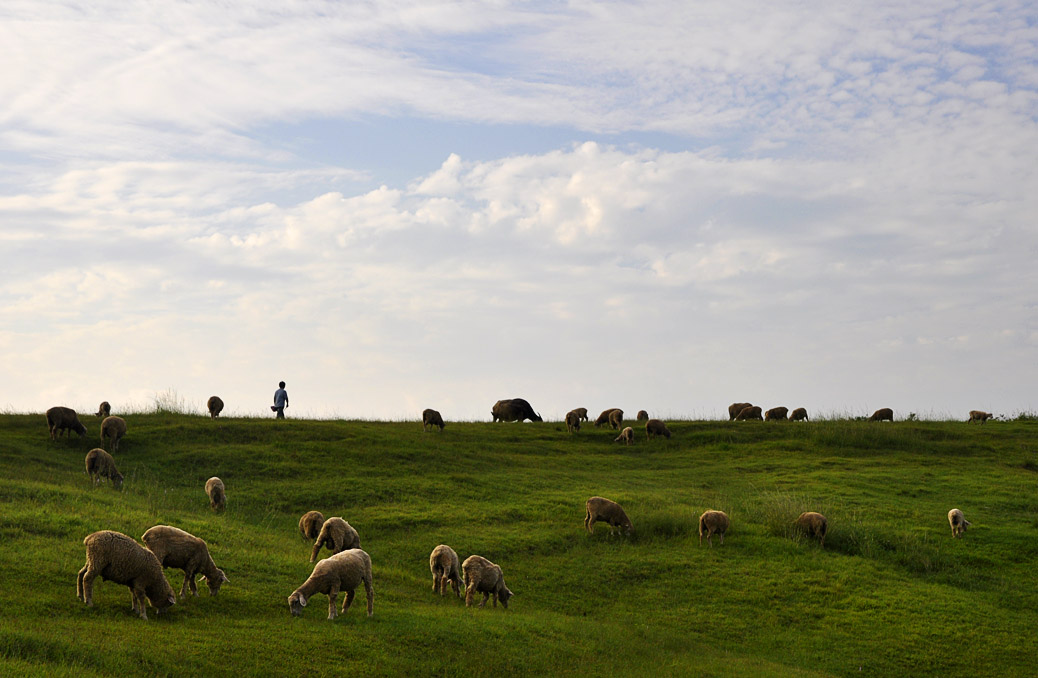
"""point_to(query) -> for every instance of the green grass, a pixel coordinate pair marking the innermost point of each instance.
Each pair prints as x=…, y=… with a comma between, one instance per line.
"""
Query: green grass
x=892, y=593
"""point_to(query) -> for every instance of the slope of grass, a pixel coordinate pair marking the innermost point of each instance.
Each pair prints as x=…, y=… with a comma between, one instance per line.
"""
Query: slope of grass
x=892, y=592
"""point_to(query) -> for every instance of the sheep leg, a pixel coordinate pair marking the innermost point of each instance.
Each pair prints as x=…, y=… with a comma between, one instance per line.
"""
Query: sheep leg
x=85, y=585
x=316, y=550
x=348, y=600
x=369, y=591
x=79, y=583
x=138, y=592
x=436, y=583
x=484, y=601
x=722, y=537
x=470, y=591
x=191, y=581
x=333, y=593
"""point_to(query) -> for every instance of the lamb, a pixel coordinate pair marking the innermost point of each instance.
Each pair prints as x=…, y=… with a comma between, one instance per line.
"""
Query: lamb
x=655, y=427
x=343, y=571
x=884, y=413
x=813, y=525
x=776, y=414
x=616, y=419
x=642, y=416
x=483, y=576
x=104, y=409
x=179, y=549
x=582, y=413
x=337, y=535
x=113, y=428
x=445, y=567
x=626, y=435
x=116, y=557
x=604, y=417
x=100, y=464
x=751, y=412
x=64, y=419
x=431, y=418
x=217, y=494
x=572, y=421
x=958, y=522
x=979, y=415
x=215, y=406
x=606, y=510
x=310, y=524
x=712, y=522
x=799, y=414
x=735, y=408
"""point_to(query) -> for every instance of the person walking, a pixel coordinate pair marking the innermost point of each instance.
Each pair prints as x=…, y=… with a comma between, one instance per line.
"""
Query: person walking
x=280, y=400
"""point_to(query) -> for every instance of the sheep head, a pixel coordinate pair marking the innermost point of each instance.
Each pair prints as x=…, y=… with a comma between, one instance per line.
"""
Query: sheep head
x=216, y=581
x=296, y=603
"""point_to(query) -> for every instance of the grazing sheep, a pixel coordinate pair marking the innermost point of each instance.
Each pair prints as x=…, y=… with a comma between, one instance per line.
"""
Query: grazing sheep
x=182, y=550
x=626, y=435
x=799, y=414
x=431, y=418
x=958, y=522
x=104, y=409
x=100, y=464
x=343, y=571
x=582, y=413
x=813, y=525
x=483, y=576
x=113, y=428
x=445, y=568
x=217, y=494
x=215, y=406
x=604, y=417
x=776, y=414
x=572, y=421
x=514, y=409
x=712, y=522
x=616, y=419
x=64, y=419
x=655, y=427
x=116, y=557
x=608, y=511
x=337, y=535
x=751, y=412
x=978, y=415
x=642, y=416
x=310, y=524
x=735, y=408
x=884, y=413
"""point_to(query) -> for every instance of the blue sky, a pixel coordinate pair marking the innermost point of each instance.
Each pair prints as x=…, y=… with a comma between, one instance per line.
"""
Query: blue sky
x=394, y=206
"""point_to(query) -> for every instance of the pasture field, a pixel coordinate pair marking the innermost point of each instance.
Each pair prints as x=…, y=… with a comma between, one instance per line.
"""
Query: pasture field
x=891, y=594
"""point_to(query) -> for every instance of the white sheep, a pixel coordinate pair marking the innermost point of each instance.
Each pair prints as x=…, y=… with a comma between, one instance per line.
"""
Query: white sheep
x=310, y=524
x=979, y=416
x=343, y=571
x=337, y=535
x=608, y=511
x=655, y=427
x=712, y=522
x=814, y=525
x=217, y=493
x=64, y=419
x=958, y=522
x=115, y=557
x=215, y=406
x=483, y=576
x=626, y=435
x=184, y=551
x=100, y=464
x=113, y=428
x=445, y=568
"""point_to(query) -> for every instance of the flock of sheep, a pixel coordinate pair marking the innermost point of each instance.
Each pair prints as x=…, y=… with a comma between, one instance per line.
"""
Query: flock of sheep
x=116, y=557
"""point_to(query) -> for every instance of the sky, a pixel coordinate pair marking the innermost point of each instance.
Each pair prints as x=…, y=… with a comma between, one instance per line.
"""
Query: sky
x=395, y=205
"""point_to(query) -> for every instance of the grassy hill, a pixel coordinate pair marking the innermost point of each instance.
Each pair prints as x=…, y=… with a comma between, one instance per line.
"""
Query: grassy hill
x=891, y=593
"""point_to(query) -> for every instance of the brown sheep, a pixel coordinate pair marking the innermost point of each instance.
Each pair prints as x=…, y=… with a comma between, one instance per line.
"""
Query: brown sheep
x=115, y=557
x=958, y=522
x=712, y=522
x=64, y=419
x=655, y=427
x=483, y=576
x=184, y=551
x=104, y=409
x=310, y=524
x=642, y=416
x=735, y=408
x=217, y=493
x=608, y=511
x=445, y=568
x=604, y=417
x=113, y=428
x=100, y=464
x=572, y=421
x=337, y=535
x=747, y=413
x=616, y=419
x=514, y=409
x=882, y=414
x=776, y=414
x=431, y=418
x=626, y=435
x=799, y=414
x=343, y=571
x=582, y=413
x=215, y=406
x=813, y=525
x=979, y=416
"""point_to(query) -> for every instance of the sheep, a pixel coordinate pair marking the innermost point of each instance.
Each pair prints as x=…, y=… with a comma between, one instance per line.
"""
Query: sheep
x=343, y=571
x=881, y=414
x=116, y=557
x=514, y=409
x=735, y=408
x=799, y=414
x=215, y=406
x=431, y=418
x=608, y=511
x=616, y=419
x=655, y=427
x=310, y=524
x=104, y=409
x=181, y=550
x=604, y=417
x=64, y=419
x=217, y=494
x=445, y=567
x=813, y=525
x=582, y=413
x=626, y=435
x=642, y=416
x=712, y=522
x=113, y=428
x=337, y=535
x=751, y=412
x=572, y=421
x=979, y=415
x=776, y=414
x=100, y=464
x=958, y=522
x=483, y=576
